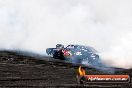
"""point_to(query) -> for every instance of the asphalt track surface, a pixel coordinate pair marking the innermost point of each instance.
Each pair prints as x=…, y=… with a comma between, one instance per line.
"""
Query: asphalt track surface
x=25, y=70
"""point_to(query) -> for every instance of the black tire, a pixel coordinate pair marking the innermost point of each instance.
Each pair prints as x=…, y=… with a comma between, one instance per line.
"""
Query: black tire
x=58, y=55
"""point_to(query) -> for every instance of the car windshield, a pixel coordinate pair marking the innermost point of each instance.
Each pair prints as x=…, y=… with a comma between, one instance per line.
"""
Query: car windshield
x=70, y=47
x=87, y=49
x=80, y=47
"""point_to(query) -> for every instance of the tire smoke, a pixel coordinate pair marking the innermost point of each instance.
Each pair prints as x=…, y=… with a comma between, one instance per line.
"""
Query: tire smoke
x=38, y=24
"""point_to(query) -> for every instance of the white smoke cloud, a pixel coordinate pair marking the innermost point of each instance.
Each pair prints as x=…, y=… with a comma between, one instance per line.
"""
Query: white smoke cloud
x=34, y=25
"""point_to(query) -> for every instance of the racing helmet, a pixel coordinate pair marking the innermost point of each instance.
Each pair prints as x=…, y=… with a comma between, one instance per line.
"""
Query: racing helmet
x=59, y=46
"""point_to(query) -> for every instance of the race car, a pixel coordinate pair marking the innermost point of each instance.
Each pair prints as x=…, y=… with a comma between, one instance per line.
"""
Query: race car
x=75, y=54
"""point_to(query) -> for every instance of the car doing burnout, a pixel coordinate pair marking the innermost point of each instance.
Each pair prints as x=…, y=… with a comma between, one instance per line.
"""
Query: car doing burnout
x=75, y=54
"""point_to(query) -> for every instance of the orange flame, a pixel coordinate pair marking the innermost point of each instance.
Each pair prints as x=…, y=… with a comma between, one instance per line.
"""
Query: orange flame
x=81, y=71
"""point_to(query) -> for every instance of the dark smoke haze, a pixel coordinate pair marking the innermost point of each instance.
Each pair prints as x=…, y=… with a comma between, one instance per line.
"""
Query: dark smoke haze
x=34, y=25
